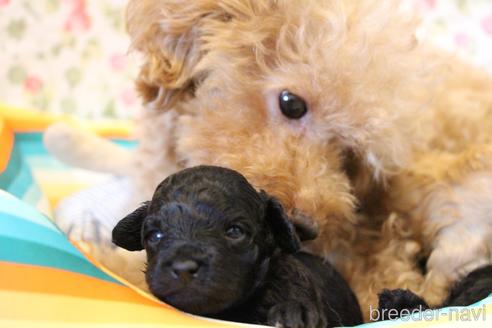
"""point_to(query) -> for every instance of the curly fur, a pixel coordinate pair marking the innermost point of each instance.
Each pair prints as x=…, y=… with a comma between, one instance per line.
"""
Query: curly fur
x=392, y=158
x=256, y=275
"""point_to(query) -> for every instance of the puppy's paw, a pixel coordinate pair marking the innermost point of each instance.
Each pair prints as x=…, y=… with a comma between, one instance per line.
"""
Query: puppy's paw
x=295, y=314
x=399, y=302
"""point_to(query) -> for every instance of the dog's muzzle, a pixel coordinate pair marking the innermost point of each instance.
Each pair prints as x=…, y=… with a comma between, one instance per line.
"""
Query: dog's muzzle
x=185, y=270
x=187, y=263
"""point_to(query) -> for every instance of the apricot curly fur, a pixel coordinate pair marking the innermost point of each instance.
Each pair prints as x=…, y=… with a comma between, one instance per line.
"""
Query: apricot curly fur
x=392, y=159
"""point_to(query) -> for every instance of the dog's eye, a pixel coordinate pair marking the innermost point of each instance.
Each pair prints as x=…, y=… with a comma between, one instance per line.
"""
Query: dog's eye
x=291, y=105
x=154, y=236
x=235, y=232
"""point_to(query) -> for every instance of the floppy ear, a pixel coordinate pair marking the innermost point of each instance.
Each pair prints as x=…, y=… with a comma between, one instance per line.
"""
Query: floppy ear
x=306, y=227
x=128, y=232
x=170, y=34
x=282, y=228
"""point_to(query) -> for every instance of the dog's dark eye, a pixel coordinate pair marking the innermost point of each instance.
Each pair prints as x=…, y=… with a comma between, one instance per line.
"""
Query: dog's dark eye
x=235, y=232
x=292, y=105
x=154, y=236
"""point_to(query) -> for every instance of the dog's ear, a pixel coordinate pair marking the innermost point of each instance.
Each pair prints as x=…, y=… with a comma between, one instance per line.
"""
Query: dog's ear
x=173, y=36
x=128, y=232
x=282, y=228
x=306, y=227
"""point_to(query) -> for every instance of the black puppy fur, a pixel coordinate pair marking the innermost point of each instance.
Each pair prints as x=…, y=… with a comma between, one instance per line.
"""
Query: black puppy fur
x=217, y=247
x=476, y=286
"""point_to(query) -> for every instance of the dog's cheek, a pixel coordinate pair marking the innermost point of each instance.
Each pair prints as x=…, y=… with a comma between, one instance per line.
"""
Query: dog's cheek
x=150, y=273
x=151, y=254
x=154, y=267
x=249, y=262
x=239, y=258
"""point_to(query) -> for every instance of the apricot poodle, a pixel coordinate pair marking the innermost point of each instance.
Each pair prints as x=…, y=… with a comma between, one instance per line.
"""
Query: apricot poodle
x=338, y=110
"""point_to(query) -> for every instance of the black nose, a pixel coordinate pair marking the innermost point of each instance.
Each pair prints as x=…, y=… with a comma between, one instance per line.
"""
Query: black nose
x=185, y=269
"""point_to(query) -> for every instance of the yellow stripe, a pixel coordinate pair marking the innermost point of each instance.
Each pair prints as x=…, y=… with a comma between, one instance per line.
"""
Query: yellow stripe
x=67, y=309
x=37, y=324
x=31, y=120
x=87, y=249
x=58, y=190
x=45, y=280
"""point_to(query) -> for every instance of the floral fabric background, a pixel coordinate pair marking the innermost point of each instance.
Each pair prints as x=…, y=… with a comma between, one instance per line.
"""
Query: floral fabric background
x=70, y=56
x=67, y=56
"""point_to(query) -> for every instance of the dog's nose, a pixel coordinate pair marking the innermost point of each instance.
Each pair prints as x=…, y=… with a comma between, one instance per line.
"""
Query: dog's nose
x=185, y=270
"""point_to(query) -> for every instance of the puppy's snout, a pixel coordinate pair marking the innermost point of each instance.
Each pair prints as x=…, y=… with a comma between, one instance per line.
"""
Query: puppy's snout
x=185, y=270
x=187, y=262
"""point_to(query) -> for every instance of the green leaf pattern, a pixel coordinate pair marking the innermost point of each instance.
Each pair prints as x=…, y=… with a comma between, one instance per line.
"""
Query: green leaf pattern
x=56, y=55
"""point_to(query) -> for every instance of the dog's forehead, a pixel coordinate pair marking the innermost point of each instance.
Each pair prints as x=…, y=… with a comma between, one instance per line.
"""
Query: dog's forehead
x=211, y=187
x=200, y=179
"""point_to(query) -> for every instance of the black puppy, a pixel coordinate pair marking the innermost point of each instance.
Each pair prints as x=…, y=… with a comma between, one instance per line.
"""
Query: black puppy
x=476, y=286
x=217, y=247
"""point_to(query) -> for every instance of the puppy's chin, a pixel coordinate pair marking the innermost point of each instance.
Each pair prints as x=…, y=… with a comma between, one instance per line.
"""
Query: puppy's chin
x=195, y=299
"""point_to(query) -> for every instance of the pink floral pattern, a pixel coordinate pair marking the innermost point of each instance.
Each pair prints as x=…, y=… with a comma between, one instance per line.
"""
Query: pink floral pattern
x=463, y=27
x=487, y=25
x=33, y=84
x=431, y=4
x=70, y=56
x=67, y=56
x=78, y=20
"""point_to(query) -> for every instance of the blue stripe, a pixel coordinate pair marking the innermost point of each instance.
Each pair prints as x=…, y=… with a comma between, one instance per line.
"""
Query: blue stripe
x=20, y=183
x=15, y=227
x=33, y=195
x=26, y=252
x=31, y=143
x=13, y=206
x=129, y=144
